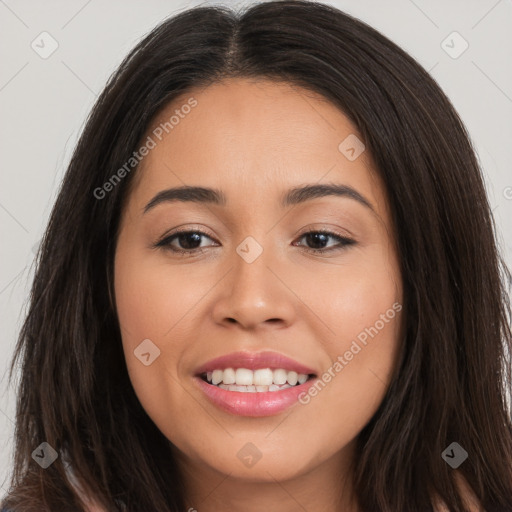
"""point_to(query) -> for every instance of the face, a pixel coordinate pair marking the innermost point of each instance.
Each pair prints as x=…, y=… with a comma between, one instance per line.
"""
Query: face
x=295, y=285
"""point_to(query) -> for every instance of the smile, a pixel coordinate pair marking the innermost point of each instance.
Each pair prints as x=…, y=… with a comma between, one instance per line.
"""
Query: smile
x=258, y=381
x=247, y=384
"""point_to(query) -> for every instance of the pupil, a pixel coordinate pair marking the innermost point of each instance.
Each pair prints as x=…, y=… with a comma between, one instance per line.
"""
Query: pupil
x=315, y=236
x=188, y=236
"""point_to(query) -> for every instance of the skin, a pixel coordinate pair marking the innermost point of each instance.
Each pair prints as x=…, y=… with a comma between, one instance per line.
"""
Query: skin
x=255, y=139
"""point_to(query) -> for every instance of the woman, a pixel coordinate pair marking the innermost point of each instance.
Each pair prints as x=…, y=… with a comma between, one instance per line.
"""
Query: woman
x=270, y=281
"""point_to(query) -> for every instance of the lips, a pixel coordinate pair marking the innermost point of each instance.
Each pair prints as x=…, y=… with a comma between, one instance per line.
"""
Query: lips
x=254, y=400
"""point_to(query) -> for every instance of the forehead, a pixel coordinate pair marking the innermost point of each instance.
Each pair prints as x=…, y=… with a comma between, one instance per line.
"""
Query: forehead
x=252, y=137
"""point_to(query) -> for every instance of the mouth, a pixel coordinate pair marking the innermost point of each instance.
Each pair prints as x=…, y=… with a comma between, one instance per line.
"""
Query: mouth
x=262, y=380
x=248, y=384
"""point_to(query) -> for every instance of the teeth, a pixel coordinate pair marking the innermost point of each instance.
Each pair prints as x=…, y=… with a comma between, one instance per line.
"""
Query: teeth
x=253, y=389
x=280, y=377
x=229, y=376
x=217, y=376
x=243, y=377
x=261, y=380
x=302, y=378
x=292, y=378
x=263, y=377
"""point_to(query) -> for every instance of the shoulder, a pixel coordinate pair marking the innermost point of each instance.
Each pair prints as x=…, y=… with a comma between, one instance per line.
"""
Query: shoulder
x=468, y=497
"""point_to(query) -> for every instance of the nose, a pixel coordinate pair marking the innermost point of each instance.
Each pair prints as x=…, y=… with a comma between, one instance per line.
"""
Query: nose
x=255, y=295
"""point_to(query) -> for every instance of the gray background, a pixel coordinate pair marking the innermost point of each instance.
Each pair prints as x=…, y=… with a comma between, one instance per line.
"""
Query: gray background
x=44, y=103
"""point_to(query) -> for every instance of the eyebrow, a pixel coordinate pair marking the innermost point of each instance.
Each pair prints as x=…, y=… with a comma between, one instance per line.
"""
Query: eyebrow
x=293, y=196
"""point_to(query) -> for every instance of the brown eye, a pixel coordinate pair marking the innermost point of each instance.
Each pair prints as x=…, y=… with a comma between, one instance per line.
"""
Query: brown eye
x=320, y=239
x=189, y=242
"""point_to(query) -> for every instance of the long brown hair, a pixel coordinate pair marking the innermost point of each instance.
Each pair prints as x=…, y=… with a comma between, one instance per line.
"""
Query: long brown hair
x=454, y=372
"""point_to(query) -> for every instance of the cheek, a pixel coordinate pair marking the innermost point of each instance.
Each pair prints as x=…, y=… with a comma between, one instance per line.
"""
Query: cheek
x=156, y=304
x=350, y=390
x=150, y=299
x=362, y=306
x=141, y=300
x=358, y=299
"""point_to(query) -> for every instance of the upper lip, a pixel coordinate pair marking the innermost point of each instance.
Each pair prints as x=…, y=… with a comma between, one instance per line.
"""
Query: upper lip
x=254, y=361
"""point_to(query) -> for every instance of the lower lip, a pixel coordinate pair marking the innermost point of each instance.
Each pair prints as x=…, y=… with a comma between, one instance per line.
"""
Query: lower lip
x=261, y=403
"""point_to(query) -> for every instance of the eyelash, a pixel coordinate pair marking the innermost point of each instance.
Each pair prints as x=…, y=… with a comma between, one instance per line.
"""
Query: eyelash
x=165, y=242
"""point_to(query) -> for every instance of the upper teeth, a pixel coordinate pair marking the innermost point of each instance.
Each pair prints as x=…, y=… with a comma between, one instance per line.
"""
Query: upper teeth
x=261, y=377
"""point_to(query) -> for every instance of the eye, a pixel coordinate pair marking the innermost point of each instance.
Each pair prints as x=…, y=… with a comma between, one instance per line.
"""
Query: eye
x=321, y=238
x=190, y=241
